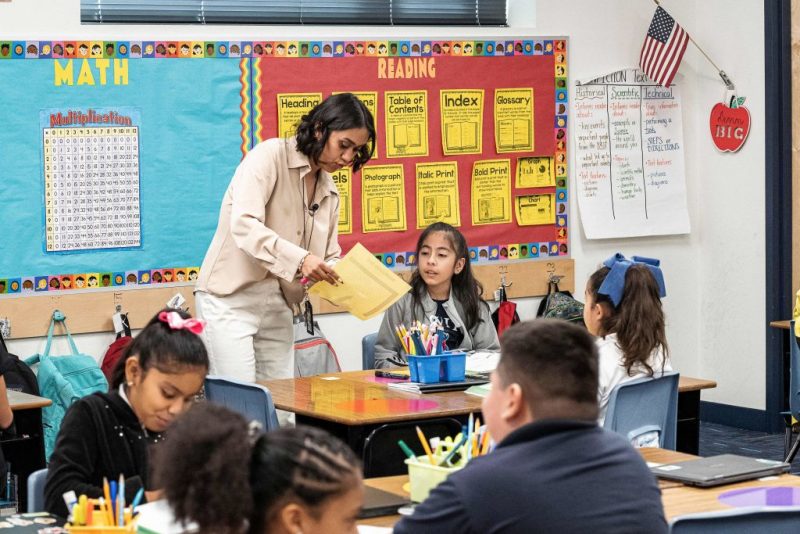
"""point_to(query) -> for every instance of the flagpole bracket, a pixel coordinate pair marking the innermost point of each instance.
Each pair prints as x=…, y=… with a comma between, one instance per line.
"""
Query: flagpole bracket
x=728, y=83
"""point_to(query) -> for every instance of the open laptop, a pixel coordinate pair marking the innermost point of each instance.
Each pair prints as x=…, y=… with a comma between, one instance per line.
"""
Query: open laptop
x=378, y=502
x=718, y=470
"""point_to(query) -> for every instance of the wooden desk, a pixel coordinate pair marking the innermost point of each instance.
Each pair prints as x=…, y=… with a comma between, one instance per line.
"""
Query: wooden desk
x=25, y=450
x=677, y=498
x=25, y=401
x=351, y=404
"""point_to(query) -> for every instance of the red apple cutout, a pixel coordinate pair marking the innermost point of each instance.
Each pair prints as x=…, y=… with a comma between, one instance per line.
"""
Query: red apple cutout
x=729, y=127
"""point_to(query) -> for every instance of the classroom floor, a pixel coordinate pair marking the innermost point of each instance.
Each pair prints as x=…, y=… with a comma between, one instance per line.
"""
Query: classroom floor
x=721, y=439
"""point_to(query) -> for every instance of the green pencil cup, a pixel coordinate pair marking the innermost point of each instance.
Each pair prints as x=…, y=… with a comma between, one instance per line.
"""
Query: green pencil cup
x=424, y=476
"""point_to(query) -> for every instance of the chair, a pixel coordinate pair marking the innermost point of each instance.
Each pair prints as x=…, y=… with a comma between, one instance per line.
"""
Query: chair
x=775, y=520
x=36, y=482
x=253, y=401
x=794, y=391
x=368, y=351
x=383, y=457
x=645, y=405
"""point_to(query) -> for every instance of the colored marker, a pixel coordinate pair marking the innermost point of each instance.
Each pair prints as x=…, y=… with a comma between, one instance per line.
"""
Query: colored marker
x=407, y=450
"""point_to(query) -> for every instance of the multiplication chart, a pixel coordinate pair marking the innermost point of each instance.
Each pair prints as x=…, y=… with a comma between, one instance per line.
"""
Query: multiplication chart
x=91, y=179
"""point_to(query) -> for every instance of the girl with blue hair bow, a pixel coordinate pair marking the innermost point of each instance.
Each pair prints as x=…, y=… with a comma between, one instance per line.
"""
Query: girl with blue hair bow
x=623, y=309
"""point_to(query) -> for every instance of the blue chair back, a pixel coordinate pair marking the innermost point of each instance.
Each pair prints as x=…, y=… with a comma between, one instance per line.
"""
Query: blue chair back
x=36, y=482
x=774, y=520
x=794, y=373
x=253, y=401
x=645, y=405
x=368, y=351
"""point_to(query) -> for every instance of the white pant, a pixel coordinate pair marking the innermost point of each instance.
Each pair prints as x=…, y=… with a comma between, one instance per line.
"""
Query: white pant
x=249, y=334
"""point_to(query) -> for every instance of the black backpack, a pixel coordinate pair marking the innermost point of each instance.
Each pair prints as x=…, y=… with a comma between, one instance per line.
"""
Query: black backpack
x=18, y=375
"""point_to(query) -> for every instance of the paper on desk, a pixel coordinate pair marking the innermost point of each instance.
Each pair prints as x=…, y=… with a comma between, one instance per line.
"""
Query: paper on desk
x=482, y=361
x=369, y=529
x=369, y=287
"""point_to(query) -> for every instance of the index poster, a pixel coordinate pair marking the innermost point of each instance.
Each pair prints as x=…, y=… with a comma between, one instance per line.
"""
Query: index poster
x=462, y=121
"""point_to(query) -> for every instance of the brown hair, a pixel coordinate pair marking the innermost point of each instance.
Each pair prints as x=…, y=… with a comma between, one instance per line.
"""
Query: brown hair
x=555, y=364
x=638, y=320
x=213, y=475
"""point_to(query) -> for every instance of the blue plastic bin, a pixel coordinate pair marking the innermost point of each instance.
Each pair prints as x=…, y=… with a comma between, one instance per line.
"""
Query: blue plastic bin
x=446, y=367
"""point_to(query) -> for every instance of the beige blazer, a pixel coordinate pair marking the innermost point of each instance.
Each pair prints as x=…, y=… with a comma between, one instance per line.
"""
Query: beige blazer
x=264, y=229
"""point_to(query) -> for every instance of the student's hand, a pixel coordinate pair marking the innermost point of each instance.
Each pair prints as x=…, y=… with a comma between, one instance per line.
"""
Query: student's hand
x=154, y=495
x=316, y=270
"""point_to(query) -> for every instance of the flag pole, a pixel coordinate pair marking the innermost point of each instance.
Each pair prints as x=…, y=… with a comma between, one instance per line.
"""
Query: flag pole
x=725, y=79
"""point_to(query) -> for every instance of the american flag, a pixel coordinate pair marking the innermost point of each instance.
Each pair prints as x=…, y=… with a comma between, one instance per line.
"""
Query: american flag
x=663, y=48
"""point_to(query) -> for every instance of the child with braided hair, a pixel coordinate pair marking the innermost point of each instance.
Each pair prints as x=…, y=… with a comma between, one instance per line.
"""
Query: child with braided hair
x=228, y=478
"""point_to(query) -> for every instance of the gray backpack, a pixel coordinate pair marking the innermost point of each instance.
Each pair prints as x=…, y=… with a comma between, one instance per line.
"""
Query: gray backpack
x=313, y=353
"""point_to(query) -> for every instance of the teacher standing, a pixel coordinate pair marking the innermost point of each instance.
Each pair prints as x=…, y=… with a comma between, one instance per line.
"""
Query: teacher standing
x=278, y=223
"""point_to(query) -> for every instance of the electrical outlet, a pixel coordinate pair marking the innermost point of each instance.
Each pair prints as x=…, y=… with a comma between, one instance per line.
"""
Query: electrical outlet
x=5, y=327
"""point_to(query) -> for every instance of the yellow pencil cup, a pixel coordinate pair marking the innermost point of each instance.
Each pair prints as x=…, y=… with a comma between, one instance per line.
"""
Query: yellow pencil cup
x=424, y=476
x=100, y=526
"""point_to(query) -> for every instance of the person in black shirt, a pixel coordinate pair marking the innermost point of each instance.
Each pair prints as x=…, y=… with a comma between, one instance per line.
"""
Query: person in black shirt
x=106, y=435
x=554, y=469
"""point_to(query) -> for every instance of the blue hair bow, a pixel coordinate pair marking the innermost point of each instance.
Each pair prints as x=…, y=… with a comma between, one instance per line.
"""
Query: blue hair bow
x=614, y=284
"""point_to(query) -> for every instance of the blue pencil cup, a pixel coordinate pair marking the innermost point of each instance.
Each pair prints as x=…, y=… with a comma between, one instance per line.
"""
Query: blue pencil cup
x=446, y=367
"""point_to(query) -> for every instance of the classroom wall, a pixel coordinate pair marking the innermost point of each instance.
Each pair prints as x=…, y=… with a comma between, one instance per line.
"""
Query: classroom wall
x=714, y=276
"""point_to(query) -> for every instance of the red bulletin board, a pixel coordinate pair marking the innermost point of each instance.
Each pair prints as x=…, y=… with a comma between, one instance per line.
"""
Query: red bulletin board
x=544, y=71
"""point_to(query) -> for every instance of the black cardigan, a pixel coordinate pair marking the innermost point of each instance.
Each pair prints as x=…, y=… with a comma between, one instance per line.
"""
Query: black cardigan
x=100, y=436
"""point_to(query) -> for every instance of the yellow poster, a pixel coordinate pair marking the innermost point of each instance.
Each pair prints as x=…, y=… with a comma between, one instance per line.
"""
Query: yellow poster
x=462, y=121
x=383, y=198
x=291, y=107
x=491, y=191
x=513, y=119
x=535, y=172
x=370, y=100
x=343, y=178
x=437, y=193
x=406, y=123
x=535, y=209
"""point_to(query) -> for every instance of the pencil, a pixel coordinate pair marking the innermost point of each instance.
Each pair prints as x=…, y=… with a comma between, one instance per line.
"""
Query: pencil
x=425, y=445
x=485, y=443
x=107, y=493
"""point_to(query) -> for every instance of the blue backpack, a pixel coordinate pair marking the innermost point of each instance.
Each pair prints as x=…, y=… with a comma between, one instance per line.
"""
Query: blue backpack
x=63, y=380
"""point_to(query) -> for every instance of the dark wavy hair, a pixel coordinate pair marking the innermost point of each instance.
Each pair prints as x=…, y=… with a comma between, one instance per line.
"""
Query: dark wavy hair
x=464, y=285
x=336, y=113
x=213, y=476
x=638, y=320
x=159, y=346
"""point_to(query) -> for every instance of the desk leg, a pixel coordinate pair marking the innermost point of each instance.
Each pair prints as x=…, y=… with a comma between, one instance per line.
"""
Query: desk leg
x=688, y=432
x=25, y=452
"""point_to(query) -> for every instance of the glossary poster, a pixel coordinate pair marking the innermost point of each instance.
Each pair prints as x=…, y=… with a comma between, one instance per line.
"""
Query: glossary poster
x=629, y=157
